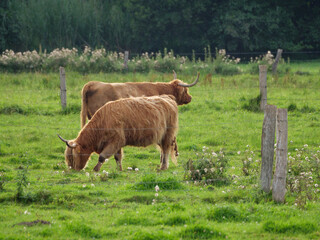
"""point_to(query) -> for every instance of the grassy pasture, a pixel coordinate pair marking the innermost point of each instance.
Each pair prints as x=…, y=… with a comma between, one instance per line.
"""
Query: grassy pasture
x=40, y=198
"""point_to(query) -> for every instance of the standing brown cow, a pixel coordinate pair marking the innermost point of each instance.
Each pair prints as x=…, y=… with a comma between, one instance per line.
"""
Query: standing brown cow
x=96, y=94
x=139, y=121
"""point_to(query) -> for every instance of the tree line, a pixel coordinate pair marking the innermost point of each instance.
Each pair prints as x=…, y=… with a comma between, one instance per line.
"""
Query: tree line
x=152, y=25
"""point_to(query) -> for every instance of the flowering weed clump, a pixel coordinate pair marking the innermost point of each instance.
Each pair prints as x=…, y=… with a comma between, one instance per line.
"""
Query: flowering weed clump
x=250, y=164
x=18, y=62
x=209, y=167
x=143, y=63
x=167, y=62
x=100, y=60
x=225, y=64
x=266, y=59
x=303, y=178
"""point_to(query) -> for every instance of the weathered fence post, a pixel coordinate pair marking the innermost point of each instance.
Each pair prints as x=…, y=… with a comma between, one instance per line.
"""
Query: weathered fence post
x=63, y=88
x=263, y=85
x=276, y=61
x=174, y=75
x=126, y=58
x=267, y=146
x=280, y=175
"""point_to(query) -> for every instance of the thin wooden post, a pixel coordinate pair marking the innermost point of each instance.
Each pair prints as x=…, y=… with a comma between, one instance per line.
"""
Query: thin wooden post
x=63, y=88
x=174, y=75
x=263, y=85
x=126, y=58
x=280, y=175
x=276, y=61
x=267, y=146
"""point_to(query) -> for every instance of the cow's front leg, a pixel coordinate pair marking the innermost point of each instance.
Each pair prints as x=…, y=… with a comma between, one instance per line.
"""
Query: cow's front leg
x=165, y=162
x=105, y=154
x=118, y=157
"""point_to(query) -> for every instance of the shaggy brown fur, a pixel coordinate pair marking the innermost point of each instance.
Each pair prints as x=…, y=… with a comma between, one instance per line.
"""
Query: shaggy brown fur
x=140, y=121
x=96, y=94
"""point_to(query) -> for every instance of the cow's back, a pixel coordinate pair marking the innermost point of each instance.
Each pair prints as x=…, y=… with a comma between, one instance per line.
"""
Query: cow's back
x=96, y=94
x=140, y=121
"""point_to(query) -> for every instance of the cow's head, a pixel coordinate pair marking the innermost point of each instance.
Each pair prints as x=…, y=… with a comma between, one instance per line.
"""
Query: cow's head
x=76, y=156
x=181, y=91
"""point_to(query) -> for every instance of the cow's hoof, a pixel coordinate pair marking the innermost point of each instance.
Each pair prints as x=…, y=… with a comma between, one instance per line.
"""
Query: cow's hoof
x=163, y=168
x=97, y=167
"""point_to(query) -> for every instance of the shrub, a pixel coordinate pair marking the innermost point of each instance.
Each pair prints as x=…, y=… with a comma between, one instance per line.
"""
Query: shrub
x=167, y=63
x=303, y=177
x=60, y=58
x=143, y=63
x=209, y=168
x=225, y=65
x=267, y=59
x=17, y=62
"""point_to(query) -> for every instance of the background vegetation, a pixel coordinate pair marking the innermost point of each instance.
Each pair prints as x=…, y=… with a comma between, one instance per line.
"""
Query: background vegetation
x=150, y=25
x=214, y=191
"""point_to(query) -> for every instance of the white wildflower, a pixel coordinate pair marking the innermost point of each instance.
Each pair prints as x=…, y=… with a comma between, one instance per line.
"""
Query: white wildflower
x=26, y=212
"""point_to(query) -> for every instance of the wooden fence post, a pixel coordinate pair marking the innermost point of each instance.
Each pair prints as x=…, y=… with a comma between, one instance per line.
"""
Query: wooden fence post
x=174, y=75
x=126, y=58
x=280, y=175
x=276, y=61
x=263, y=85
x=267, y=146
x=63, y=88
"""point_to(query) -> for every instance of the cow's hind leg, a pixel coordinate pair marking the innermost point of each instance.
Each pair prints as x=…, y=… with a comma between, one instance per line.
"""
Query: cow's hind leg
x=164, y=157
x=168, y=145
x=106, y=153
x=118, y=157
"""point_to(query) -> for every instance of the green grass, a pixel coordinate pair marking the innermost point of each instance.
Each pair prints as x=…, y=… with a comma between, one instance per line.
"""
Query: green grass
x=123, y=205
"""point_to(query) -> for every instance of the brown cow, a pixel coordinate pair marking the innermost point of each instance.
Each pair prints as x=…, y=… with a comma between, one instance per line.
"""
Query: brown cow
x=96, y=94
x=139, y=121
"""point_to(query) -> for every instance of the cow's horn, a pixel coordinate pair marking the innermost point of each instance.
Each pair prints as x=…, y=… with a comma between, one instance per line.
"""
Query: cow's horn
x=192, y=84
x=66, y=141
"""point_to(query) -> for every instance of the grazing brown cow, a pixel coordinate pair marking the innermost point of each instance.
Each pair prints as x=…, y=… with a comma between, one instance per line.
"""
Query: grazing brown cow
x=139, y=121
x=96, y=94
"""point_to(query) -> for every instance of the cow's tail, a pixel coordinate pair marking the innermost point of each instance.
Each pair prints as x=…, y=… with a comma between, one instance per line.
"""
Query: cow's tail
x=84, y=106
x=174, y=151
